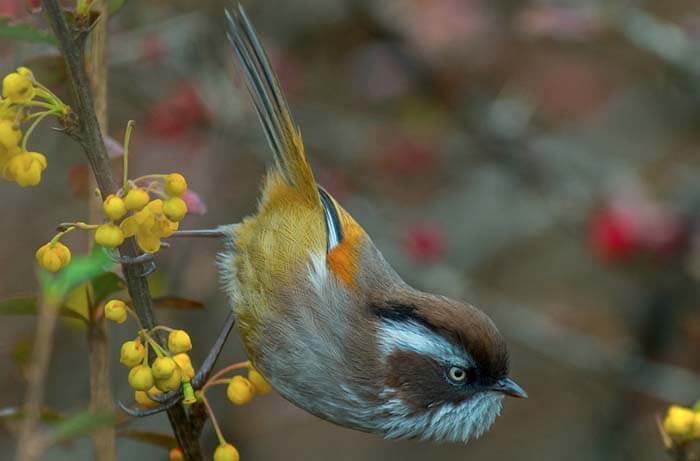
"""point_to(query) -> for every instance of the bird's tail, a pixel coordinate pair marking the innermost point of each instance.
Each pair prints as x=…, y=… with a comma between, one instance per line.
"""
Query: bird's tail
x=282, y=135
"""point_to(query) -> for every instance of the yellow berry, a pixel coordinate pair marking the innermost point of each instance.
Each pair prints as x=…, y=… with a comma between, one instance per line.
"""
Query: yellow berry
x=226, y=452
x=46, y=256
x=136, y=199
x=179, y=341
x=679, y=421
x=115, y=310
x=39, y=158
x=10, y=135
x=40, y=252
x=176, y=454
x=51, y=261
x=240, y=391
x=261, y=385
x=141, y=378
x=172, y=383
x=114, y=207
x=148, y=242
x=63, y=252
x=25, y=72
x=175, y=185
x=17, y=88
x=185, y=363
x=175, y=209
x=163, y=367
x=25, y=168
x=142, y=399
x=154, y=392
x=109, y=236
x=132, y=353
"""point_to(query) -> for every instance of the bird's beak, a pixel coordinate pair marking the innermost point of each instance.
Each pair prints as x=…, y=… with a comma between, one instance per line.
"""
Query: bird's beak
x=509, y=387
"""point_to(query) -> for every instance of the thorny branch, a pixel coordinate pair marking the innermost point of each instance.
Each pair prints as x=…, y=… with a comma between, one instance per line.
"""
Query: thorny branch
x=71, y=43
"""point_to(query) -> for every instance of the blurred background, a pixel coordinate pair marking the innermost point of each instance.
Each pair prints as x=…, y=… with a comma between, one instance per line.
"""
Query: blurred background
x=536, y=158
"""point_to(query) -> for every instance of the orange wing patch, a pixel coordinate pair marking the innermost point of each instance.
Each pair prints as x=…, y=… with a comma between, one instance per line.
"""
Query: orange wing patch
x=343, y=260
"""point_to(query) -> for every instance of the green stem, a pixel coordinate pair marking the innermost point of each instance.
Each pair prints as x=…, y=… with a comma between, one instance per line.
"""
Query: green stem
x=45, y=105
x=127, y=138
x=160, y=352
x=47, y=94
x=32, y=126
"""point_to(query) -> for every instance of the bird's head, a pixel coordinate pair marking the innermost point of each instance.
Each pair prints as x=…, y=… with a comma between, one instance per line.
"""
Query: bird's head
x=446, y=367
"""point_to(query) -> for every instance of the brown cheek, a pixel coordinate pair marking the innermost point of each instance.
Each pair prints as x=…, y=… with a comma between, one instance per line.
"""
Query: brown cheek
x=420, y=380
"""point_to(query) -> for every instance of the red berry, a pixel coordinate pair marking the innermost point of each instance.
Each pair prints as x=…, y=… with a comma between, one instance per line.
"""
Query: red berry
x=613, y=235
x=178, y=113
x=425, y=243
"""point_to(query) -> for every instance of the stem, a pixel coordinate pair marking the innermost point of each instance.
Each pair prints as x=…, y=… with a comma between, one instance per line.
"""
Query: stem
x=199, y=233
x=136, y=318
x=214, y=422
x=101, y=398
x=71, y=226
x=93, y=144
x=32, y=126
x=148, y=176
x=44, y=105
x=127, y=138
x=45, y=93
x=217, y=382
x=228, y=369
x=29, y=446
x=160, y=352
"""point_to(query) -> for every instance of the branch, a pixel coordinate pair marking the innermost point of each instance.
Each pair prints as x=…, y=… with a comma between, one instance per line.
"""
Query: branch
x=71, y=44
x=28, y=447
x=101, y=399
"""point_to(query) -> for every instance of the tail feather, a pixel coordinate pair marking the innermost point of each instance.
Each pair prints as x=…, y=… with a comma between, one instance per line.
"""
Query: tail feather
x=282, y=136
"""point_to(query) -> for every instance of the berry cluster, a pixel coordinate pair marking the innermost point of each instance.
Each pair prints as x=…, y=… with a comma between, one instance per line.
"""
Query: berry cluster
x=148, y=208
x=24, y=100
x=151, y=219
x=171, y=368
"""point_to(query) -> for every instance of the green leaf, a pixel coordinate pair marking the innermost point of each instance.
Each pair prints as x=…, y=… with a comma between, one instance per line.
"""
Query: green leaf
x=173, y=302
x=24, y=32
x=80, y=270
x=154, y=438
x=29, y=305
x=115, y=5
x=105, y=285
x=80, y=425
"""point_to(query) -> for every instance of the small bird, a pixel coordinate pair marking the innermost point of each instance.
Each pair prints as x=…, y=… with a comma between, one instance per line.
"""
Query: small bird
x=325, y=318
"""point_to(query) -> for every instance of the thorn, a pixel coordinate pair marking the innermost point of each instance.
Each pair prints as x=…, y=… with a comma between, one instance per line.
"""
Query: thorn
x=142, y=413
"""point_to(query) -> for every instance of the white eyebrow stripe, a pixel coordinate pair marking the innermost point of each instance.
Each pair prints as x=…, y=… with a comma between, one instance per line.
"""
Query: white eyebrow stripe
x=409, y=335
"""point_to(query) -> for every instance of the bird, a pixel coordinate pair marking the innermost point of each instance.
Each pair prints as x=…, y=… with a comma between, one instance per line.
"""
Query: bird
x=325, y=318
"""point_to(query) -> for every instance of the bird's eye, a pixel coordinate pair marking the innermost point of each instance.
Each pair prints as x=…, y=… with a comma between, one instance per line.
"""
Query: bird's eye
x=457, y=374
